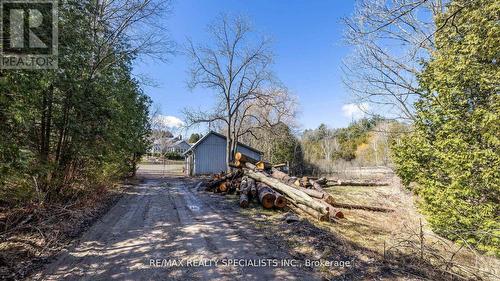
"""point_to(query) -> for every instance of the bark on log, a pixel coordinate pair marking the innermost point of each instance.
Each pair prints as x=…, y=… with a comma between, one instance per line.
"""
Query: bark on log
x=277, y=174
x=295, y=194
x=252, y=188
x=327, y=197
x=266, y=196
x=362, y=207
x=334, y=213
x=298, y=211
x=249, y=166
x=321, y=181
x=356, y=183
x=243, y=184
x=316, y=186
x=232, y=186
x=215, y=183
x=307, y=211
x=312, y=192
x=243, y=200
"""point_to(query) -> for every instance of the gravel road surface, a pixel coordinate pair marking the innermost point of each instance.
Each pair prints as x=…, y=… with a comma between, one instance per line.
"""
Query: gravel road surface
x=162, y=230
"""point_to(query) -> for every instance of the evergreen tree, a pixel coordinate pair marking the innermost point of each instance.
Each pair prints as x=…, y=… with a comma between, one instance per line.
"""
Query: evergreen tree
x=453, y=155
x=70, y=130
x=194, y=137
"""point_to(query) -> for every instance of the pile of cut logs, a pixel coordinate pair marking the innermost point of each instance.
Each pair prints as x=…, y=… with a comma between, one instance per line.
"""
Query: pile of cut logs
x=272, y=188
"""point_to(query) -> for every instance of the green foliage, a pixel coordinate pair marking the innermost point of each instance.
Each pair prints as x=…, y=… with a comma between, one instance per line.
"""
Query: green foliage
x=284, y=147
x=348, y=139
x=195, y=137
x=279, y=145
x=354, y=135
x=453, y=154
x=173, y=156
x=68, y=130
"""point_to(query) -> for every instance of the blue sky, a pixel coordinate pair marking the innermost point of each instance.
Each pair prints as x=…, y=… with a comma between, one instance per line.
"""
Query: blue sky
x=307, y=43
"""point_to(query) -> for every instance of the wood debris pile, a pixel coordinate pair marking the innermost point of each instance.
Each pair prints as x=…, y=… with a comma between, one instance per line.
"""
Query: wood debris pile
x=272, y=188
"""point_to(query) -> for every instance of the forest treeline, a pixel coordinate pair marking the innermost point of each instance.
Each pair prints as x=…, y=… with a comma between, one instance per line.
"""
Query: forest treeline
x=69, y=131
x=326, y=151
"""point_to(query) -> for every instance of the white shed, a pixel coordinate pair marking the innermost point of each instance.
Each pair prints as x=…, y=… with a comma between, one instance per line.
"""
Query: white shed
x=208, y=155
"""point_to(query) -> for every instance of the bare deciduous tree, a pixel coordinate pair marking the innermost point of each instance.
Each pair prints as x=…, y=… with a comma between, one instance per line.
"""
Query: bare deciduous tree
x=237, y=67
x=137, y=22
x=273, y=106
x=329, y=145
x=390, y=40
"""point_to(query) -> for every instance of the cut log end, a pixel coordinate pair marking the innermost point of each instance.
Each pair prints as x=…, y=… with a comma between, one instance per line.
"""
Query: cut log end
x=223, y=187
x=280, y=202
x=267, y=200
x=244, y=158
x=339, y=214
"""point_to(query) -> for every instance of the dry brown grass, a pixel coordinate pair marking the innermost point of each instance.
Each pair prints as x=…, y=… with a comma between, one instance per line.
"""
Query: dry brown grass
x=405, y=232
x=32, y=234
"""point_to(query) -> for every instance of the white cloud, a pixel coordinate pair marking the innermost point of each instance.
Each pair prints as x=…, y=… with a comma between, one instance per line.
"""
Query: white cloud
x=168, y=121
x=355, y=111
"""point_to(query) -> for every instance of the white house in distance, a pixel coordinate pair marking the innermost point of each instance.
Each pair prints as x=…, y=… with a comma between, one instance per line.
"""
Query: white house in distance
x=208, y=155
x=179, y=146
x=164, y=145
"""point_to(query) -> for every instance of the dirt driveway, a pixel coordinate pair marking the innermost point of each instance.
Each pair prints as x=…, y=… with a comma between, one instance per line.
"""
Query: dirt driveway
x=161, y=230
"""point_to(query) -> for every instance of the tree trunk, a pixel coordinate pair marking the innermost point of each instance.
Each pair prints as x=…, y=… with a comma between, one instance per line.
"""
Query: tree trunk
x=243, y=200
x=312, y=192
x=134, y=164
x=252, y=188
x=45, y=133
x=356, y=183
x=362, y=207
x=327, y=197
x=297, y=195
x=306, y=211
x=277, y=174
x=214, y=184
x=229, y=149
